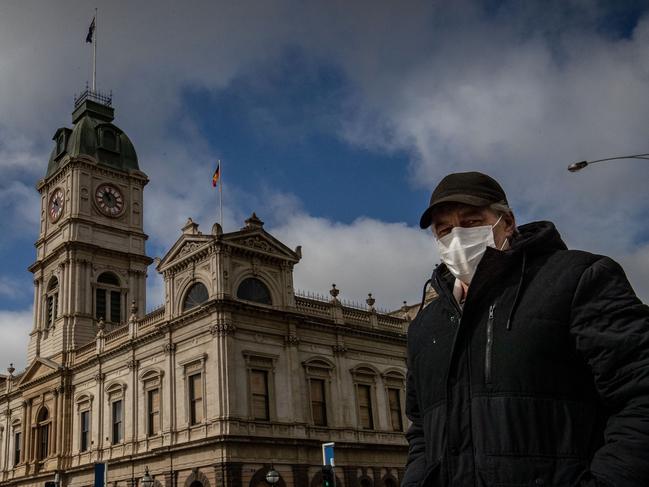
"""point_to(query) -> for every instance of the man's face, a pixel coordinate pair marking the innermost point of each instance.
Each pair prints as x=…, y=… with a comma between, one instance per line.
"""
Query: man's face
x=450, y=215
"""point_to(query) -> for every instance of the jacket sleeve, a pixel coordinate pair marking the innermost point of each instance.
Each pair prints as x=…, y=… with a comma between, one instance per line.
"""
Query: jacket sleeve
x=611, y=330
x=416, y=464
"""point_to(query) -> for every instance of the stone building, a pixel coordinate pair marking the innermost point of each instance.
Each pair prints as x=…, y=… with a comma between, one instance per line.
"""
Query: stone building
x=233, y=375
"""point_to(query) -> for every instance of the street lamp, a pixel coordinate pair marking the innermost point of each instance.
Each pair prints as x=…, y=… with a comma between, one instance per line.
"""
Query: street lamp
x=577, y=166
x=147, y=480
x=272, y=476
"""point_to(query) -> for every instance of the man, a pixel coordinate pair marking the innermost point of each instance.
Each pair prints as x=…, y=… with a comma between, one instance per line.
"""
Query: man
x=531, y=367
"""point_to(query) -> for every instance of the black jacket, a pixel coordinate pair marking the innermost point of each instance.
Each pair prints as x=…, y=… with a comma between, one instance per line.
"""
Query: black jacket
x=541, y=380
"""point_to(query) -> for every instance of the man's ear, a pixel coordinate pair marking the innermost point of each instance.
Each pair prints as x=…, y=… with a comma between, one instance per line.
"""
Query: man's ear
x=510, y=224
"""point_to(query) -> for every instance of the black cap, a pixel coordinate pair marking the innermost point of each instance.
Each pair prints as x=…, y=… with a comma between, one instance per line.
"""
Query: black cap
x=471, y=188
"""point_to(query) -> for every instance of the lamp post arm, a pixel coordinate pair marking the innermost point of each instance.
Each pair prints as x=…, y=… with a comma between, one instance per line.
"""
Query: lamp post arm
x=574, y=167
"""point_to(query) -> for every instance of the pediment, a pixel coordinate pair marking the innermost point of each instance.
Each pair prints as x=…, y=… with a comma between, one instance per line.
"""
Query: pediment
x=40, y=367
x=260, y=241
x=184, y=247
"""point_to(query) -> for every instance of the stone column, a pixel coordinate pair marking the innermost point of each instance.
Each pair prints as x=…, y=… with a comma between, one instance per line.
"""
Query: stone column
x=350, y=476
x=228, y=474
x=170, y=478
x=300, y=475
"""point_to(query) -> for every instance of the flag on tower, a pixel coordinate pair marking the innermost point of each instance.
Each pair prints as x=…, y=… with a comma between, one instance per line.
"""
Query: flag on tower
x=91, y=31
x=217, y=175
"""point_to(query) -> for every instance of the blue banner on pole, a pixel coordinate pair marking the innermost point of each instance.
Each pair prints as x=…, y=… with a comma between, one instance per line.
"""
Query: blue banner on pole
x=100, y=474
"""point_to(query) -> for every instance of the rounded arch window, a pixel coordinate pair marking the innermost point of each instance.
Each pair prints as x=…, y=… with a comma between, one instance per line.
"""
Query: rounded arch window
x=43, y=415
x=196, y=296
x=43, y=433
x=51, y=302
x=252, y=289
x=108, y=298
x=108, y=278
x=53, y=284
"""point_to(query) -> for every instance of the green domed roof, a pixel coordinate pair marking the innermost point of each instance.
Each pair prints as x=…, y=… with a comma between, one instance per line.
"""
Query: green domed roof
x=94, y=135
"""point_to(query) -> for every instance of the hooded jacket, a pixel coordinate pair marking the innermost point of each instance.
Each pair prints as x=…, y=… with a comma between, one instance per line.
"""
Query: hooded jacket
x=542, y=379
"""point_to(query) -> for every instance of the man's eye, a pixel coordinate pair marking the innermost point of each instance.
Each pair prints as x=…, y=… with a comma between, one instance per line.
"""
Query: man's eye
x=443, y=231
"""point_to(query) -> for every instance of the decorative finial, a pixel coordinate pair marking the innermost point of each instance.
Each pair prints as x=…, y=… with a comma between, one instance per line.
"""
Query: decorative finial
x=100, y=324
x=370, y=301
x=334, y=293
x=11, y=369
x=190, y=228
x=253, y=222
x=404, y=308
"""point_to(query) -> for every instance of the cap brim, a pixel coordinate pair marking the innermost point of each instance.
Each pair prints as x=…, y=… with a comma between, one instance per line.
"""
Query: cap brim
x=467, y=199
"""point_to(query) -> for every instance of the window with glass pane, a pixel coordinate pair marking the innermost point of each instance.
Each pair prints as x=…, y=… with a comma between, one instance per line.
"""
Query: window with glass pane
x=153, y=406
x=108, y=303
x=365, y=406
x=318, y=403
x=195, y=398
x=100, y=304
x=394, y=398
x=43, y=431
x=259, y=390
x=196, y=296
x=253, y=289
x=17, y=440
x=43, y=447
x=84, y=421
x=115, y=307
x=117, y=417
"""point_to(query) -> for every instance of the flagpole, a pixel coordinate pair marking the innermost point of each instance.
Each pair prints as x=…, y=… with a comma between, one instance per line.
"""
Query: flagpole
x=94, y=56
x=221, y=191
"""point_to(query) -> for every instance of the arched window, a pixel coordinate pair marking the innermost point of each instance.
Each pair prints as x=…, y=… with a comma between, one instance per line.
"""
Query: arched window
x=252, y=289
x=51, y=302
x=108, y=298
x=196, y=296
x=109, y=139
x=43, y=432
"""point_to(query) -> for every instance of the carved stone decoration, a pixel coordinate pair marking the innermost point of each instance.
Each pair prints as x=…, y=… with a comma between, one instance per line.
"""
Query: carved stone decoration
x=253, y=223
x=339, y=349
x=291, y=340
x=11, y=369
x=258, y=243
x=99, y=377
x=131, y=364
x=168, y=348
x=188, y=248
x=222, y=329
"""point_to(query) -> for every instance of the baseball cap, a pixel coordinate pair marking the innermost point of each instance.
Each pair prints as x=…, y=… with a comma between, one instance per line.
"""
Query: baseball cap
x=471, y=188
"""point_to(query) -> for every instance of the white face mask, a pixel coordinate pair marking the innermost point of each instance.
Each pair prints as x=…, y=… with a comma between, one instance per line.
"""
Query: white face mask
x=462, y=249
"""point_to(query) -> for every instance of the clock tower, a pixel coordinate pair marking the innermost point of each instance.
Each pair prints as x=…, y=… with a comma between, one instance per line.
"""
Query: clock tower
x=90, y=254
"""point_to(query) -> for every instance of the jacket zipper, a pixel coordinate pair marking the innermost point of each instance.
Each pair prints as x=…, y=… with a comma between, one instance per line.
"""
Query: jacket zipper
x=489, y=345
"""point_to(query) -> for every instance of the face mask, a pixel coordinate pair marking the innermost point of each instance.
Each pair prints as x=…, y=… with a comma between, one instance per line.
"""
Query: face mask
x=462, y=249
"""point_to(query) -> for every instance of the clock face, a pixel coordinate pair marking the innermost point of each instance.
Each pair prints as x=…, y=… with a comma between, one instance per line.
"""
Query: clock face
x=55, y=208
x=109, y=200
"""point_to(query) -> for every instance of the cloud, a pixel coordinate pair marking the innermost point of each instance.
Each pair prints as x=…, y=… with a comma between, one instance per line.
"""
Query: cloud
x=14, y=329
x=519, y=91
x=390, y=260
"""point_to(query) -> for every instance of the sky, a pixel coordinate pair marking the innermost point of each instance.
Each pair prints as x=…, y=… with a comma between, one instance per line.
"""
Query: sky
x=334, y=120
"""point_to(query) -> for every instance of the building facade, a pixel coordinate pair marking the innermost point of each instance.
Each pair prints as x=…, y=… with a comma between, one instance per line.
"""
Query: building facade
x=233, y=375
